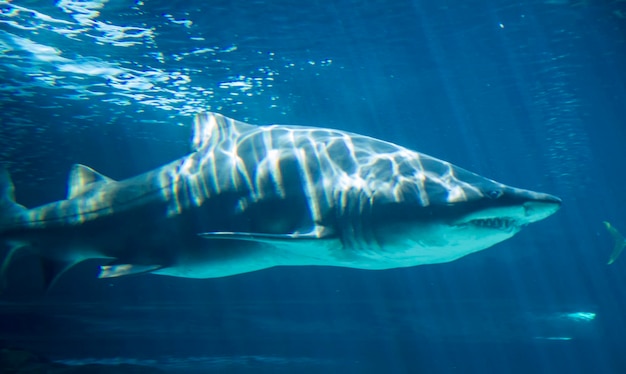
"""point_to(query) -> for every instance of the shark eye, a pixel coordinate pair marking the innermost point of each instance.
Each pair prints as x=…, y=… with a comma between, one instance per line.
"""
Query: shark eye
x=494, y=194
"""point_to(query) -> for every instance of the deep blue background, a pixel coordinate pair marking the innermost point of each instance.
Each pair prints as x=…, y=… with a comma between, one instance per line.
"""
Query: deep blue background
x=531, y=94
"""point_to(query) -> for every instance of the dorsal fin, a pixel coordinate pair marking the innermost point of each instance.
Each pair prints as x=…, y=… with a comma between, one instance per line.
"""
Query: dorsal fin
x=209, y=128
x=83, y=179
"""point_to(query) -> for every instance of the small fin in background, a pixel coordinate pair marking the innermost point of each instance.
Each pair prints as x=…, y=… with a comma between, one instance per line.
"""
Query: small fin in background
x=83, y=179
x=120, y=270
x=618, y=242
x=53, y=269
x=318, y=233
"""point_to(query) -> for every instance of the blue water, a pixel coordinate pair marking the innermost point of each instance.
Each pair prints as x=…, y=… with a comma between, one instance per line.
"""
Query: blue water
x=528, y=93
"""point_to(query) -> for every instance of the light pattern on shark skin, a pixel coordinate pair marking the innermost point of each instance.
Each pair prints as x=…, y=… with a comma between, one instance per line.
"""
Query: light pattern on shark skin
x=333, y=166
x=96, y=199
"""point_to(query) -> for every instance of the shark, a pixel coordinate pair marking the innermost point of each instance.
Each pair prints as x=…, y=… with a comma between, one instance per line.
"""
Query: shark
x=254, y=197
x=619, y=243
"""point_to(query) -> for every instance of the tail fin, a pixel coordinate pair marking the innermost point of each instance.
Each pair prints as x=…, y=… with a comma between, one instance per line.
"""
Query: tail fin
x=9, y=211
x=619, y=242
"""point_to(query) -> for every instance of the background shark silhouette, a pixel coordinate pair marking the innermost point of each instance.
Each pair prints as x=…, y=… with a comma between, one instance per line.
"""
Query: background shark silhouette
x=618, y=242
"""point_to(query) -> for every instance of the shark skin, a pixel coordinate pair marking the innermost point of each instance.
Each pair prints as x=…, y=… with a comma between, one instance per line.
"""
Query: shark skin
x=254, y=197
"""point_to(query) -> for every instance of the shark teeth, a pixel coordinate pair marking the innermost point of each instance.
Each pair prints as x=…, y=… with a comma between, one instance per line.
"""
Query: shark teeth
x=494, y=223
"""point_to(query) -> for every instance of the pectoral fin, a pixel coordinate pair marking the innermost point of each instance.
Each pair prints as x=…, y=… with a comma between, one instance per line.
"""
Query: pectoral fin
x=318, y=233
x=119, y=270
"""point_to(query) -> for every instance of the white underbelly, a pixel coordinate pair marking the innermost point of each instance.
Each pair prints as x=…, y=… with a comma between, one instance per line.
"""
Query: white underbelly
x=222, y=262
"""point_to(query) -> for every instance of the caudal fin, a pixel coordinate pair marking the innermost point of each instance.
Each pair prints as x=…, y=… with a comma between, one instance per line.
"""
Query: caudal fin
x=9, y=209
x=618, y=242
x=9, y=213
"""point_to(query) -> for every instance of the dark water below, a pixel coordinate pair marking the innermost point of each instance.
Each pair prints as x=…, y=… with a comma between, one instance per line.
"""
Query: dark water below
x=310, y=336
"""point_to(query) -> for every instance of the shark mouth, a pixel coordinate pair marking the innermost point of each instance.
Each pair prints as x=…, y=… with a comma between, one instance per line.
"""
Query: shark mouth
x=500, y=223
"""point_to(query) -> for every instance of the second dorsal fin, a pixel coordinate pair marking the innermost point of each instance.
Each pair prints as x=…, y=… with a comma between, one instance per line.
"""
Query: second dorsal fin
x=83, y=179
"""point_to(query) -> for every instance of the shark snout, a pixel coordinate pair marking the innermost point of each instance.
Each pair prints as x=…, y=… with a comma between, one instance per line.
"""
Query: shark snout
x=541, y=206
x=548, y=199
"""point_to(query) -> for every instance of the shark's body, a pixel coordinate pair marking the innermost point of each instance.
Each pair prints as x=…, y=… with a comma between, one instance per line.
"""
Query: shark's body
x=253, y=197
